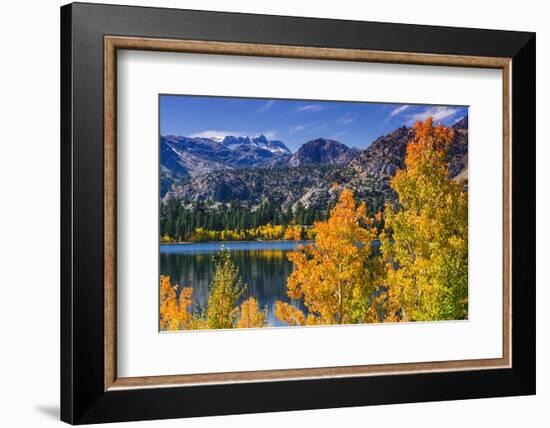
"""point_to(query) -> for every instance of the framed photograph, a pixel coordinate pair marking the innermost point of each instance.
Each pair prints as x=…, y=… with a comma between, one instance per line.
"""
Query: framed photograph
x=265, y=213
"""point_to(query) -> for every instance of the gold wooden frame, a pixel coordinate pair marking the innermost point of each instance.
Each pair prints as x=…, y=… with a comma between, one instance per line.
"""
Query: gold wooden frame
x=113, y=43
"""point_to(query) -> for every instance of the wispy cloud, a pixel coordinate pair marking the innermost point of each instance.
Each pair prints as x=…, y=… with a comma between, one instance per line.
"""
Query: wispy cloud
x=300, y=127
x=266, y=106
x=399, y=109
x=437, y=113
x=312, y=108
x=214, y=133
x=346, y=120
x=310, y=127
x=270, y=135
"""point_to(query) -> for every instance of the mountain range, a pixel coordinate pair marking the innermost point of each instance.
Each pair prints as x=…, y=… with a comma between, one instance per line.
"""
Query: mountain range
x=247, y=171
x=194, y=155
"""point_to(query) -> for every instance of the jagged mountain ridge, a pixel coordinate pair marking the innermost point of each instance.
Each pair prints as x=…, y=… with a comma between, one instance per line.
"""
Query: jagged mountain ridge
x=387, y=153
x=196, y=155
x=274, y=146
x=308, y=179
x=461, y=124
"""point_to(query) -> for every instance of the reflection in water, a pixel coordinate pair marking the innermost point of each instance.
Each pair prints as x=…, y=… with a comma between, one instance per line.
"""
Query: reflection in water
x=264, y=268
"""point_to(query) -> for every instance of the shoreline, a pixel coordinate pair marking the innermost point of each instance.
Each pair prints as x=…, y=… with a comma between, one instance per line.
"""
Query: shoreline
x=256, y=240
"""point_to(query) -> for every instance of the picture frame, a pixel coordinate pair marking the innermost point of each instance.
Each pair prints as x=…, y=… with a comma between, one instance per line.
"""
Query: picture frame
x=91, y=390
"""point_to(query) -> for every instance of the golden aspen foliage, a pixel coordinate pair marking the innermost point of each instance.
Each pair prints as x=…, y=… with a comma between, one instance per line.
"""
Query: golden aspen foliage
x=287, y=313
x=310, y=234
x=175, y=310
x=251, y=315
x=293, y=232
x=268, y=232
x=425, y=242
x=419, y=274
x=334, y=276
x=226, y=289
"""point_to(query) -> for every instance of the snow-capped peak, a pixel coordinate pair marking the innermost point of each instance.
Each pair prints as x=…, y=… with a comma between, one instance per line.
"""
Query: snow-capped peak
x=277, y=147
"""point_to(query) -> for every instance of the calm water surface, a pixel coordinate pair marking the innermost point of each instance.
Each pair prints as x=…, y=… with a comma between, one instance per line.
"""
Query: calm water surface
x=263, y=266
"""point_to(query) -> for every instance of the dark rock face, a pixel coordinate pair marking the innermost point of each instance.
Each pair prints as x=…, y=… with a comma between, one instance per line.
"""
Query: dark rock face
x=458, y=152
x=462, y=124
x=385, y=155
x=457, y=157
x=322, y=151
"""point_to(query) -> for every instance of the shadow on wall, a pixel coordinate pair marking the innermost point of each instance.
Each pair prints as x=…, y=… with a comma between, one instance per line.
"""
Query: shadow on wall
x=50, y=411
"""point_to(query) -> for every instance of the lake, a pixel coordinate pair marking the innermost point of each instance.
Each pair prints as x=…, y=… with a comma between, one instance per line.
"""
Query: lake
x=263, y=266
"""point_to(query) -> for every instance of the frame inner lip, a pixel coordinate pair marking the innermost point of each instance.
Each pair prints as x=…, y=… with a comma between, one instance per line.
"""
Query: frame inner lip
x=112, y=43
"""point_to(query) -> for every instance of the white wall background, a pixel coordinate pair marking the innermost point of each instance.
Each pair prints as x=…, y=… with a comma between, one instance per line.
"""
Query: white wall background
x=29, y=214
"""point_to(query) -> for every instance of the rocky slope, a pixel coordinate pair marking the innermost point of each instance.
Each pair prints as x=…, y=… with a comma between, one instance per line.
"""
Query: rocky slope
x=387, y=153
x=322, y=151
x=462, y=124
x=458, y=152
x=308, y=185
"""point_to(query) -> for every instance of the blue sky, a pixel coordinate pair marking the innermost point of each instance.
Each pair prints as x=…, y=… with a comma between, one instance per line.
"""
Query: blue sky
x=294, y=122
